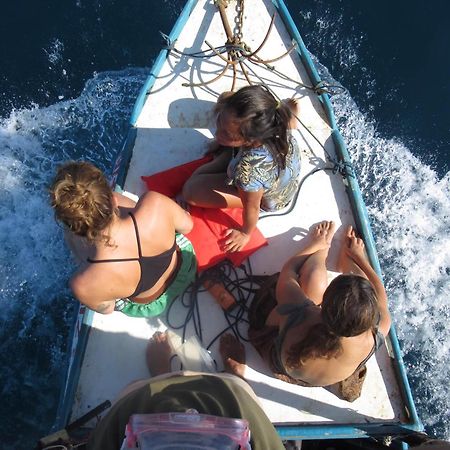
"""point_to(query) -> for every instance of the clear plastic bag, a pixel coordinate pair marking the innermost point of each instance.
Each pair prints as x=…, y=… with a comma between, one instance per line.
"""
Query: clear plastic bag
x=187, y=431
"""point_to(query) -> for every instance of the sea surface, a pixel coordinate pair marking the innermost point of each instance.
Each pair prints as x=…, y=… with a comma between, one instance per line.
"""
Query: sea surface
x=69, y=74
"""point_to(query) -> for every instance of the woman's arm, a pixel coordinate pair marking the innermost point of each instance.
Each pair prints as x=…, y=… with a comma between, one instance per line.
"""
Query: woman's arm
x=292, y=103
x=355, y=251
x=251, y=203
x=89, y=292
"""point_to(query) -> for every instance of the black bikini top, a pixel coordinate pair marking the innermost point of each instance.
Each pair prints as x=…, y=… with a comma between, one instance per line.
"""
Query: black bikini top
x=152, y=267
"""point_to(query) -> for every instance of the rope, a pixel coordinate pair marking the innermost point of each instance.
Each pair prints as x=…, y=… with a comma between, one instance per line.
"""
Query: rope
x=240, y=282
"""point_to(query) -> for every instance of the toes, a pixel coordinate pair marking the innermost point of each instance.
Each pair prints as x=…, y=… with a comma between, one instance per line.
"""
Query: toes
x=349, y=232
x=158, y=337
x=331, y=227
x=322, y=227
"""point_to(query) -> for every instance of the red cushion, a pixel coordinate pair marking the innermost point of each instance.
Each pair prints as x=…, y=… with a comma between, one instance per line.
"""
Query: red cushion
x=207, y=236
x=171, y=181
x=210, y=224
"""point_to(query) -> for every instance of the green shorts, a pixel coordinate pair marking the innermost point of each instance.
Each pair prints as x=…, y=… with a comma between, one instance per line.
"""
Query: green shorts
x=185, y=276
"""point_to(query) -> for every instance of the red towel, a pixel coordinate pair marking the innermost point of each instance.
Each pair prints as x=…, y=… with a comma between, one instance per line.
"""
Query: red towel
x=210, y=224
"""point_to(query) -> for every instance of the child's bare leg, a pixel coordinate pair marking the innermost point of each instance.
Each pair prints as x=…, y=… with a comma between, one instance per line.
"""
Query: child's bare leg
x=211, y=191
x=346, y=265
x=313, y=274
x=207, y=188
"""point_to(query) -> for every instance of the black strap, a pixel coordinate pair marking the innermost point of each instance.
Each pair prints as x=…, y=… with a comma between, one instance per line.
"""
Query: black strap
x=138, y=240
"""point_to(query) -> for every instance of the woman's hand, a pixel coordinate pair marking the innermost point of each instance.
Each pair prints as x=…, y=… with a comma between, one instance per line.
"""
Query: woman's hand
x=235, y=240
x=355, y=249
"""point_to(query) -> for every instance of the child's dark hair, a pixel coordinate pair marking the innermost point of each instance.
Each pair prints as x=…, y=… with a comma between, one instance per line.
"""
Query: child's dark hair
x=262, y=118
x=349, y=308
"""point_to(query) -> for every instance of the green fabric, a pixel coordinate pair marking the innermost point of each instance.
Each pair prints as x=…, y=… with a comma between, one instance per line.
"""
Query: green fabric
x=206, y=393
x=185, y=276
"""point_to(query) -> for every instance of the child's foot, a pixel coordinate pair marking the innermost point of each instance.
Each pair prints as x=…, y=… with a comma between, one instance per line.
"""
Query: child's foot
x=233, y=355
x=158, y=354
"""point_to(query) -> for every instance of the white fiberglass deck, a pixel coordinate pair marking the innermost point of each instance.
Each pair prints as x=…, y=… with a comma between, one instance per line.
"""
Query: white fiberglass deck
x=174, y=127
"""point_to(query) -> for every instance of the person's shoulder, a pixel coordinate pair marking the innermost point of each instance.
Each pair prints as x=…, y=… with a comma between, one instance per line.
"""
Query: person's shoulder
x=257, y=154
x=152, y=200
x=155, y=210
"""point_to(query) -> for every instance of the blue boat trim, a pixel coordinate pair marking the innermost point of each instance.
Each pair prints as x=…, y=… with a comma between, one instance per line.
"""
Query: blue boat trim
x=71, y=377
x=363, y=225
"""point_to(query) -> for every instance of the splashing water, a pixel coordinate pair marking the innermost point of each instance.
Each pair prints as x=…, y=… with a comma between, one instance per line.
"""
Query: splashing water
x=36, y=308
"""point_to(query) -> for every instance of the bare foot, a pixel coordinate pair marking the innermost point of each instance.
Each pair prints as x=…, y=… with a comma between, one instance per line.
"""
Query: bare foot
x=233, y=355
x=320, y=236
x=351, y=253
x=158, y=354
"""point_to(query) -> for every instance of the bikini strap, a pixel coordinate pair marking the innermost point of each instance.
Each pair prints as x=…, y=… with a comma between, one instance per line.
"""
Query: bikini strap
x=138, y=240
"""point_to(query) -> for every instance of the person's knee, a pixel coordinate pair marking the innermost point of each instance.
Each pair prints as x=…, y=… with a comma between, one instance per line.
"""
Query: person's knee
x=314, y=284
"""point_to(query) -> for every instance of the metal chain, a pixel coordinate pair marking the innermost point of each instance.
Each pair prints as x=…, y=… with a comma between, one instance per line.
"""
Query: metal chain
x=239, y=21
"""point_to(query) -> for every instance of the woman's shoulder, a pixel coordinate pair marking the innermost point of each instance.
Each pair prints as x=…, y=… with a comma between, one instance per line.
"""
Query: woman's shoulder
x=156, y=213
x=154, y=201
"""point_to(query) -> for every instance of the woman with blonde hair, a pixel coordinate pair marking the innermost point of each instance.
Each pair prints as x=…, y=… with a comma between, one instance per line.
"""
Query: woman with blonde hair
x=133, y=256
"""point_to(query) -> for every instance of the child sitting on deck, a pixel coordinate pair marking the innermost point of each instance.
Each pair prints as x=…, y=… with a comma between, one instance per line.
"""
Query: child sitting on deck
x=257, y=164
x=314, y=335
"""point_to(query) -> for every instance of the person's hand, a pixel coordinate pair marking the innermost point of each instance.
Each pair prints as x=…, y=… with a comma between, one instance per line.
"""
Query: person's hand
x=292, y=103
x=355, y=247
x=235, y=240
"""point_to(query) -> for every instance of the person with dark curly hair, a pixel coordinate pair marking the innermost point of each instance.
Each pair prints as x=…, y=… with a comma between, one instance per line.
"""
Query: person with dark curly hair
x=133, y=256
